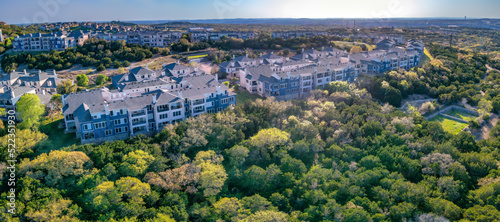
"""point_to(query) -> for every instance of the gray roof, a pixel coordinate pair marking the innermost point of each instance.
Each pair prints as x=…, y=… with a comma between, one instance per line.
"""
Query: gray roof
x=138, y=85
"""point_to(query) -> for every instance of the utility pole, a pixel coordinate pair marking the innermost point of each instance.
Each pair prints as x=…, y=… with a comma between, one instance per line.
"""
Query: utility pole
x=451, y=39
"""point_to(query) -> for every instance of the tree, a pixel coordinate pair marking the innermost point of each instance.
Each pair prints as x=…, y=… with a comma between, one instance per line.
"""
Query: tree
x=482, y=213
x=135, y=163
x=267, y=216
x=82, y=80
x=30, y=109
x=121, y=70
x=57, y=168
x=228, y=207
x=101, y=79
x=66, y=87
x=26, y=141
x=100, y=68
x=356, y=49
x=212, y=175
x=54, y=106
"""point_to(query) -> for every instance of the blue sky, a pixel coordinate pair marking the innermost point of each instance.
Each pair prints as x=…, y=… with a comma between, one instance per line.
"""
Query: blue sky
x=35, y=11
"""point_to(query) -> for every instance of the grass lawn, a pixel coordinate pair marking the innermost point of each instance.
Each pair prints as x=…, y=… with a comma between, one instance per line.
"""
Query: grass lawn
x=197, y=56
x=57, y=137
x=461, y=115
x=449, y=125
x=242, y=96
x=428, y=54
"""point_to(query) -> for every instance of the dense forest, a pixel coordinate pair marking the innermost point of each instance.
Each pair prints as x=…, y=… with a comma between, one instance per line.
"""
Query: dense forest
x=94, y=52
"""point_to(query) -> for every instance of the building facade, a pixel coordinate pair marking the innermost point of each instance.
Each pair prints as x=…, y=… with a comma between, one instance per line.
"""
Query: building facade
x=144, y=102
x=295, y=77
x=48, y=42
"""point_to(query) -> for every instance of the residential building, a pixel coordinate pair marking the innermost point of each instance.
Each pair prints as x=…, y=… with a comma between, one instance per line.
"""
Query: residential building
x=144, y=102
x=289, y=78
x=48, y=42
x=1, y=36
x=15, y=84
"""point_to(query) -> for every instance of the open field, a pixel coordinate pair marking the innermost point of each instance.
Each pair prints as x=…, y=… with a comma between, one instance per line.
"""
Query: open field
x=428, y=54
x=242, y=96
x=462, y=115
x=342, y=44
x=449, y=125
x=55, y=132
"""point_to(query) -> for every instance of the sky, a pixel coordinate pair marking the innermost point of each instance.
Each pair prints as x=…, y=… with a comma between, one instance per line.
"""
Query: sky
x=40, y=11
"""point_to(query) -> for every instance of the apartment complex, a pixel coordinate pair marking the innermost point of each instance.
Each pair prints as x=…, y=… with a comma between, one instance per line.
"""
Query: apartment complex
x=144, y=102
x=199, y=34
x=295, y=77
x=48, y=42
x=16, y=84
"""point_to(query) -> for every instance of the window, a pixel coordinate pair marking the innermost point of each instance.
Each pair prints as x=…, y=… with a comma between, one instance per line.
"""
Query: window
x=87, y=126
x=121, y=129
x=164, y=116
x=121, y=121
x=108, y=132
x=219, y=109
x=224, y=101
x=70, y=117
x=177, y=113
x=100, y=125
x=162, y=108
x=150, y=107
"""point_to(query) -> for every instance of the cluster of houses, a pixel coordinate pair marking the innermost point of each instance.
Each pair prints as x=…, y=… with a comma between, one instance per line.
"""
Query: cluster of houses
x=144, y=102
x=286, y=78
x=48, y=42
x=15, y=84
x=65, y=26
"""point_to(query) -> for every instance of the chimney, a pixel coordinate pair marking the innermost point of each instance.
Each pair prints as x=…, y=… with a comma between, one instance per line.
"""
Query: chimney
x=55, y=72
x=217, y=77
x=196, y=69
x=180, y=94
x=39, y=71
x=25, y=73
x=315, y=69
x=322, y=48
x=328, y=67
x=178, y=63
x=272, y=53
x=246, y=55
x=130, y=68
x=146, y=66
x=164, y=64
x=233, y=57
x=106, y=109
x=154, y=99
x=218, y=89
x=261, y=54
x=288, y=75
x=126, y=78
x=163, y=73
x=302, y=50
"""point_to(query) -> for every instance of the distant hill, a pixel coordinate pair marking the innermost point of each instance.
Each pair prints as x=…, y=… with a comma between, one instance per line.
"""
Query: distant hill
x=339, y=22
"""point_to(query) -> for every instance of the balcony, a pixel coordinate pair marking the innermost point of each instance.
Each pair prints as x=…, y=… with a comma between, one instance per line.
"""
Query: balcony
x=198, y=102
x=138, y=122
x=138, y=113
x=176, y=107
